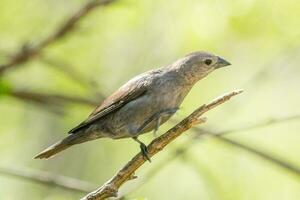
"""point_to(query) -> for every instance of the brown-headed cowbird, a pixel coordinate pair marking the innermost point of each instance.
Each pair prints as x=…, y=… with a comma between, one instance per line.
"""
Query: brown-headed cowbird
x=142, y=104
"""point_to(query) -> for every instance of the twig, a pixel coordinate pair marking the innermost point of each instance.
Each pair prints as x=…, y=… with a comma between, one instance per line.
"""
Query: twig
x=28, y=51
x=260, y=124
x=283, y=164
x=69, y=71
x=110, y=188
x=48, y=179
x=50, y=98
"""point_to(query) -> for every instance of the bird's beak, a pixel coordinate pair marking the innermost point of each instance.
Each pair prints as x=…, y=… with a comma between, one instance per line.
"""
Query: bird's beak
x=221, y=63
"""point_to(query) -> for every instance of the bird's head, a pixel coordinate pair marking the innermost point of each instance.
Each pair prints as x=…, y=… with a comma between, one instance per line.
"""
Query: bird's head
x=197, y=65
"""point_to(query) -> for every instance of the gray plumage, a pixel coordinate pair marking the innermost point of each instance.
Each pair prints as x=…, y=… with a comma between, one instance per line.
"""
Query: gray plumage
x=135, y=107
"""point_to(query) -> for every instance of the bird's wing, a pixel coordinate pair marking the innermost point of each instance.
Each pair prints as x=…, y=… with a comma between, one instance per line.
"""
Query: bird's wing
x=128, y=92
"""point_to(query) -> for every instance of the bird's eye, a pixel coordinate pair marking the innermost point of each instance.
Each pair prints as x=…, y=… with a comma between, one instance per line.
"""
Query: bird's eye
x=208, y=61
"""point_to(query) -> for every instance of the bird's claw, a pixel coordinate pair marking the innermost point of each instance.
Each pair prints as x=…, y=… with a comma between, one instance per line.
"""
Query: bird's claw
x=144, y=151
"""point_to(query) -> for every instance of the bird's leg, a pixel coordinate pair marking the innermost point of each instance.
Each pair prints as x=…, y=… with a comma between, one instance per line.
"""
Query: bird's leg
x=157, y=118
x=144, y=149
x=158, y=121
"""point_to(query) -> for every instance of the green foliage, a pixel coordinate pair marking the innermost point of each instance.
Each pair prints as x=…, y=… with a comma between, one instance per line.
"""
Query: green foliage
x=5, y=87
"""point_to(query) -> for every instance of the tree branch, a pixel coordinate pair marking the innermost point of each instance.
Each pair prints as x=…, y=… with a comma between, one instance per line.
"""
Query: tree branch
x=283, y=164
x=27, y=52
x=110, y=188
x=260, y=124
x=274, y=160
x=50, y=98
x=48, y=179
x=70, y=72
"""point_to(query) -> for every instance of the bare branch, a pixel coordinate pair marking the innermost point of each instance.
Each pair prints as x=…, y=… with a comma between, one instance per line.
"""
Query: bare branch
x=27, y=51
x=69, y=71
x=274, y=160
x=110, y=188
x=283, y=164
x=50, y=98
x=47, y=178
x=261, y=124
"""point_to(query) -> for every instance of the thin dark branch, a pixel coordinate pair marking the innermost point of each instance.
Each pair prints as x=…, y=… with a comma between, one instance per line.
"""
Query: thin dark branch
x=261, y=124
x=274, y=160
x=53, y=99
x=266, y=156
x=110, y=189
x=279, y=162
x=27, y=51
x=47, y=178
x=70, y=72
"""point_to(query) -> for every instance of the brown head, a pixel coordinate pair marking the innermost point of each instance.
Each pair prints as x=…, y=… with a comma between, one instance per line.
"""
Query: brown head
x=197, y=65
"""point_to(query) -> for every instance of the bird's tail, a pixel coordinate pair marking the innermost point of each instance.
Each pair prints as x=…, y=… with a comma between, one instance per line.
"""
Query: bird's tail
x=61, y=145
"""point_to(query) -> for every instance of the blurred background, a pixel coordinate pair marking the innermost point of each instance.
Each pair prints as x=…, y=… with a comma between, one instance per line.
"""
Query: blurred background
x=60, y=58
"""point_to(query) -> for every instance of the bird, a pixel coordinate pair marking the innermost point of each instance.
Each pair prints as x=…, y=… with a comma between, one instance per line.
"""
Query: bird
x=142, y=104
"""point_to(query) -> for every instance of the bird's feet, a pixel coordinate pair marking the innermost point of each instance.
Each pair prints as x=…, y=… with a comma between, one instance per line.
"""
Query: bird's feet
x=144, y=149
x=145, y=152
